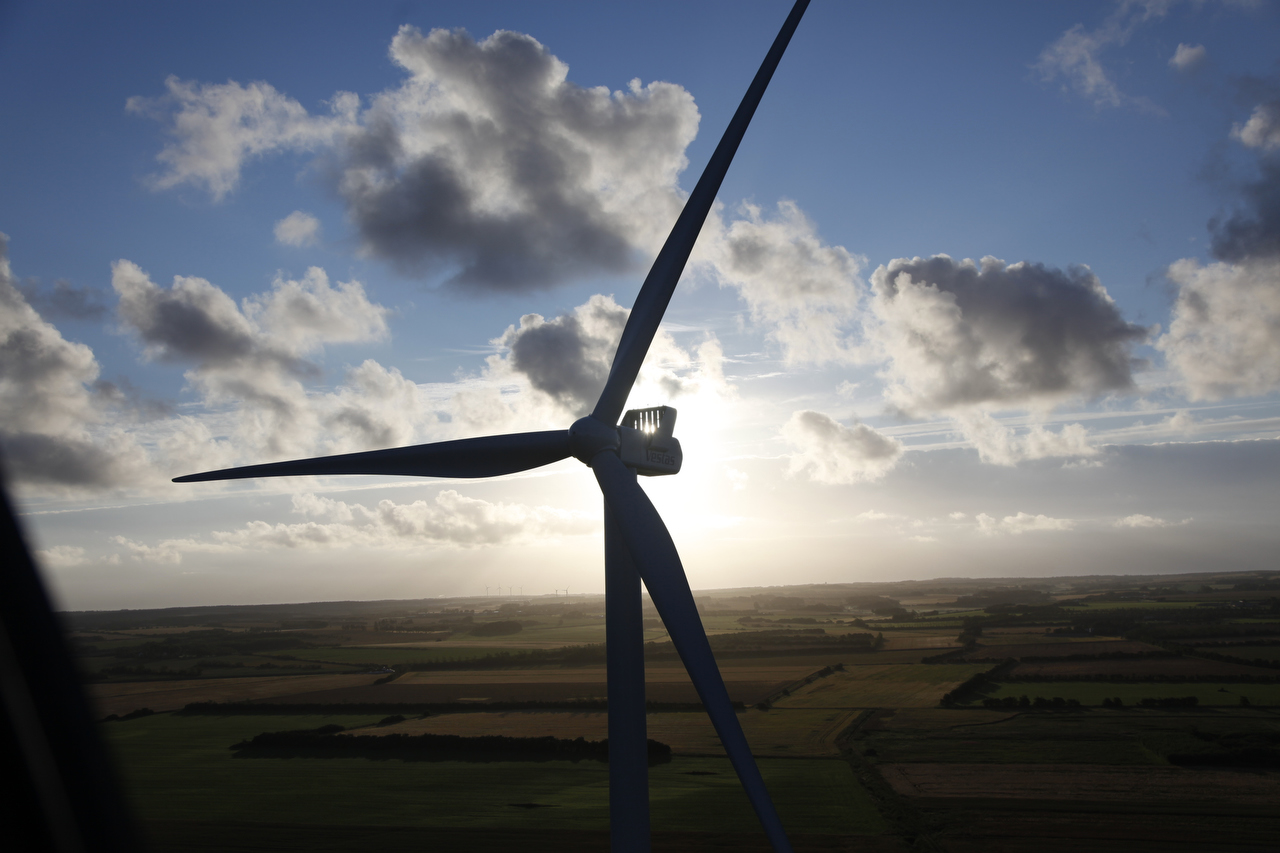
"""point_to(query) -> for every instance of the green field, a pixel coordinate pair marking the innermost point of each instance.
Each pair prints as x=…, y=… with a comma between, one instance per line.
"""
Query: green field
x=883, y=685
x=1117, y=738
x=1092, y=693
x=178, y=768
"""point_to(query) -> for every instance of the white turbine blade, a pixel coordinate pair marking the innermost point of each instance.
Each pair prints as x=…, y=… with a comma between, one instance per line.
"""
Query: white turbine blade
x=488, y=456
x=663, y=276
x=656, y=558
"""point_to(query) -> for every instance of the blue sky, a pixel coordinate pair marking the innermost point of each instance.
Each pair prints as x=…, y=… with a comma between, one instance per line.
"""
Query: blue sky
x=1101, y=398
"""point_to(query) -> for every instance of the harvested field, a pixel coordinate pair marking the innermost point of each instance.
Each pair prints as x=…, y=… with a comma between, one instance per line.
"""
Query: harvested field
x=880, y=686
x=897, y=640
x=670, y=683
x=1083, y=782
x=808, y=733
x=1076, y=647
x=1093, y=692
x=123, y=697
x=1170, y=667
x=930, y=719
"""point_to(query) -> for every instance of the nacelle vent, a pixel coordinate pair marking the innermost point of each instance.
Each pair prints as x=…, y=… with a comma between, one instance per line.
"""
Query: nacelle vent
x=648, y=445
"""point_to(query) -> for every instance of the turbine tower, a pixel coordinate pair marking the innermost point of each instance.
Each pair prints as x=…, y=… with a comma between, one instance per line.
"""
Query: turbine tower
x=637, y=545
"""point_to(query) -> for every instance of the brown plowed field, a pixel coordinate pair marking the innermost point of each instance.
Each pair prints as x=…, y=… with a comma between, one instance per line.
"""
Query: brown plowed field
x=1084, y=782
x=121, y=698
x=1175, y=667
x=1044, y=650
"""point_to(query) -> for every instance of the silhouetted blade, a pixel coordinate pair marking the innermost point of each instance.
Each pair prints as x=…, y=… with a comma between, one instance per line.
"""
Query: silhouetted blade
x=655, y=557
x=63, y=793
x=488, y=456
x=663, y=276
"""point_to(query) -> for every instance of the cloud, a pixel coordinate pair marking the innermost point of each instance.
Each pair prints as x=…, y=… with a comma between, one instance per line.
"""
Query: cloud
x=829, y=452
x=50, y=422
x=568, y=357
x=1076, y=56
x=565, y=361
x=964, y=334
x=1254, y=232
x=64, y=301
x=450, y=519
x=61, y=557
x=1188, y=57
x=1142, y=521
x=217, y=127
x=485, y=165
x=1262, y=130
x=254, y=360
x=999, y=444
x=298, y=229
x=805, y=291
x=1224, y=338
x=1016, y=525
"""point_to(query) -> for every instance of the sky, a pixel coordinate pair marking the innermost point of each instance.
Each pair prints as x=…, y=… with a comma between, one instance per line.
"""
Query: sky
x=989, y=291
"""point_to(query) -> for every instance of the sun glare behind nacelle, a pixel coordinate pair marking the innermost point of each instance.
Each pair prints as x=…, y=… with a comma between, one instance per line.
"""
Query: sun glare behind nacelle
x=647, y=443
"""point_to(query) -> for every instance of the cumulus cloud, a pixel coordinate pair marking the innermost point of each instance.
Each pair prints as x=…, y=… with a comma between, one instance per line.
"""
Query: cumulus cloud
x=830, y=452
x=1075, y=57
x=1253, y=232
x=217, y=127
x=960, y=334
x=565, y=361
x=486, y=164
x=1262, y=130
x=568, y=357
x=1188, y=57
x=1021, y=523
x=50, y=421
x=1224, y=338
x=803, y=290
x=1000, y=444
x=63, y=301
x=298, y=229
x=450, y=519
x=254, y=359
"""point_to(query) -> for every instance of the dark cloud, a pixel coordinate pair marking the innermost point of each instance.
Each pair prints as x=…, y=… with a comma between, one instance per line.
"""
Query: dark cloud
x=59, y=460
x=488, y=164
x=568, y=357
x=47, y=410
x=961, y=334
x=64, y=301
x=1254, y=232
x=485, y=165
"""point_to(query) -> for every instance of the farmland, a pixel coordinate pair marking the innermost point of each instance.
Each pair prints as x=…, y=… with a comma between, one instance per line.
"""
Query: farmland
x=867, y=717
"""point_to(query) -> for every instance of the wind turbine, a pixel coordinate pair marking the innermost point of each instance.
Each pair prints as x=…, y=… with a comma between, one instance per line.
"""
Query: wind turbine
x=636, y=543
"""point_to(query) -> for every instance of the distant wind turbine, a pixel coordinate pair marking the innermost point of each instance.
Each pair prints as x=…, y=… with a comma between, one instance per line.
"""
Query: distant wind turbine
x=636, y=543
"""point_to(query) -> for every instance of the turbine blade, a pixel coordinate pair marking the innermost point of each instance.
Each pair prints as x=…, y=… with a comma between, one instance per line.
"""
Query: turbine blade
x=663, y=276
x=488, y=456
x=655, y=557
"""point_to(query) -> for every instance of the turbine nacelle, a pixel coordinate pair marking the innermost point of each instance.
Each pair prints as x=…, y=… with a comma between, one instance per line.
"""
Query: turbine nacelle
x=647, y=443
x=643, y=441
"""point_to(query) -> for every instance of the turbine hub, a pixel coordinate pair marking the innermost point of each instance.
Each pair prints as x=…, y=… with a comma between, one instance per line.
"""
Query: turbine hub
x=588, y=436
